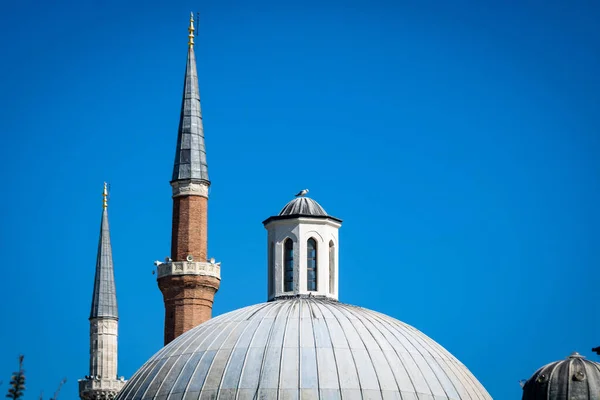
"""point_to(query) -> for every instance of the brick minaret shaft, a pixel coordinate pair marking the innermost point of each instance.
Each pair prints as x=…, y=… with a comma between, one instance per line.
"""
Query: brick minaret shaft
x=189, y=227
x=188, y=282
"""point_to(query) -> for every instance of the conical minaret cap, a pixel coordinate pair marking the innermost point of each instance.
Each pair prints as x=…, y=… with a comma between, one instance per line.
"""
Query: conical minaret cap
x=190, y=154
x=104, y=298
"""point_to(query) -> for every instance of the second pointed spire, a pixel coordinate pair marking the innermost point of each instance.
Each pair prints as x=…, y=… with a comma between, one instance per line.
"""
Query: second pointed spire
x=190, y=154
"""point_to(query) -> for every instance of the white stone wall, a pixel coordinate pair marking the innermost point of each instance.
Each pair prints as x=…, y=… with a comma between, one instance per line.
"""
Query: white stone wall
x=300, y=230
x=102, y=382
x=103, y=348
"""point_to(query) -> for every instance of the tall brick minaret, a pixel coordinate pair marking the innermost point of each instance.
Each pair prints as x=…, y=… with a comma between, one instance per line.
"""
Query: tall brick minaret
x=188, y=281
x=102, y=382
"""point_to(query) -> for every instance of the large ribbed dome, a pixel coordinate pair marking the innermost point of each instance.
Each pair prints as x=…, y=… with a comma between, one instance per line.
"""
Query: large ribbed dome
x=303, y=206
x=303, y=348
x=572, y=379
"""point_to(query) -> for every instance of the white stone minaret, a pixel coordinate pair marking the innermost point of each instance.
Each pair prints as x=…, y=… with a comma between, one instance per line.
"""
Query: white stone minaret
x=302, y=247
x=102, y=382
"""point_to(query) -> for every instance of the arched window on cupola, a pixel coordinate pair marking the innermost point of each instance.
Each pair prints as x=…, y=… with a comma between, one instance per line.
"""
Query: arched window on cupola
x=288, y=265
x=331, y=267
x=311, y=265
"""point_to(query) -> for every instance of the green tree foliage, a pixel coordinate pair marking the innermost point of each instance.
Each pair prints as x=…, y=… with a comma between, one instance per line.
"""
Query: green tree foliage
x=17, y=382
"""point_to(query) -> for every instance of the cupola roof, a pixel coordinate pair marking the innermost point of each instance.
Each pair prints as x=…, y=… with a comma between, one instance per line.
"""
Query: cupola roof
x=302, y=207
x=574, y=378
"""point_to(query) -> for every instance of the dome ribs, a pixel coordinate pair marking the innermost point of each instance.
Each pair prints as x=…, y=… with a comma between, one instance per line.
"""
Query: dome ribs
x=303, y=346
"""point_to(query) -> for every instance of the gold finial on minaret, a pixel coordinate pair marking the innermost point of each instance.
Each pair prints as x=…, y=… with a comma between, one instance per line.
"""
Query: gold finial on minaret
x=191, y=31
x=105, y=197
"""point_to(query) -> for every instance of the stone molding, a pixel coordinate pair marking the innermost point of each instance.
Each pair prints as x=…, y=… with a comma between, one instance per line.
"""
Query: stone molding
x=189, y=188
x=100, y=389
x=303, y=220
x=189, y=268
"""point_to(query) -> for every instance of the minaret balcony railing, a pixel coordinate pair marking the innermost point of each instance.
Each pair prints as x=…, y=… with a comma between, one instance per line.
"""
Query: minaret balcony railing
x=100, y=388
x=189, y=268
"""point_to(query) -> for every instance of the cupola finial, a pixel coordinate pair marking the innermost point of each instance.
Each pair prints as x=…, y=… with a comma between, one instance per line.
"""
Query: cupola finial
x=191, y=30
x=105, y=196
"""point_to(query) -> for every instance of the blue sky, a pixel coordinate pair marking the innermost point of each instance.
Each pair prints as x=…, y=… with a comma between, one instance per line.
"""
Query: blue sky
x=458, y=141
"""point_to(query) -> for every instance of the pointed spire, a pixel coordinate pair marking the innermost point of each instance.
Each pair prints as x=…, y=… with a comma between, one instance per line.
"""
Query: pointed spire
x=104, y=299
x=190, y=156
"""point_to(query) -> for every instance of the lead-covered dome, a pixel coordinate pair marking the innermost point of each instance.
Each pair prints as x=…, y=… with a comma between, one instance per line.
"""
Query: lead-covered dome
x=303, y=348
x=572, y=379
x=303, y=206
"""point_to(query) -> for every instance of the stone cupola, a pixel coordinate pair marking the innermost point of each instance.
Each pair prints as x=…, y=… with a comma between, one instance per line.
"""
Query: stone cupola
x=302, y=247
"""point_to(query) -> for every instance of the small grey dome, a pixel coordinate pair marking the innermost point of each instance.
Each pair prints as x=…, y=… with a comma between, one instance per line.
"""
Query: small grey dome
x=572, y=379
x=303, y=348
x=303, y=206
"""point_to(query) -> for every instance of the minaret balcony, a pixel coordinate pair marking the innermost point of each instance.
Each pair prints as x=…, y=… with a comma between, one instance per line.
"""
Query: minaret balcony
x=93, y=389
x=189, y=268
